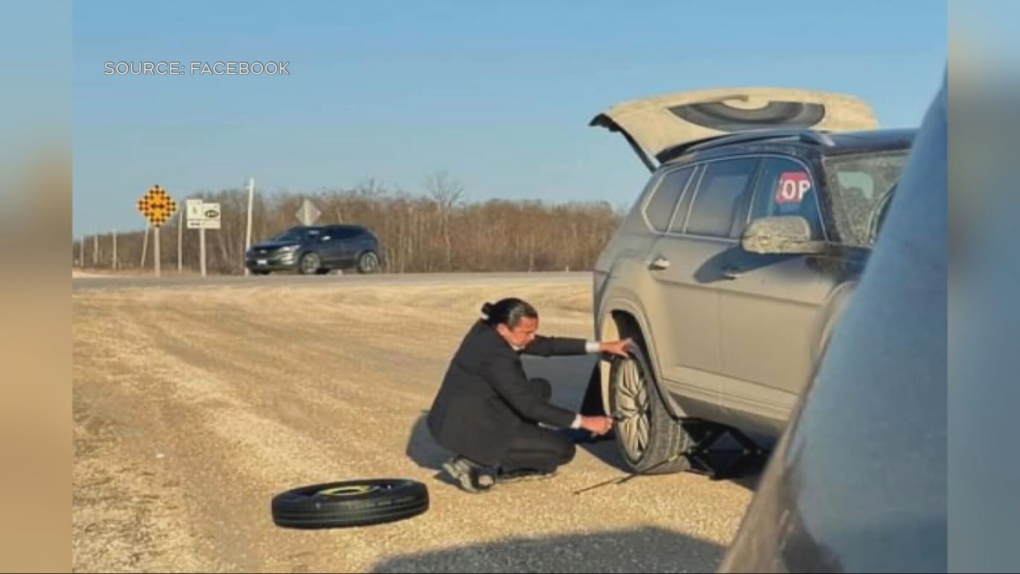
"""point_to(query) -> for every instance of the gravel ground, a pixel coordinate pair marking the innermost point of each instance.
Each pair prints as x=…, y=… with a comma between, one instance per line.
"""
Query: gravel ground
x=194, y=405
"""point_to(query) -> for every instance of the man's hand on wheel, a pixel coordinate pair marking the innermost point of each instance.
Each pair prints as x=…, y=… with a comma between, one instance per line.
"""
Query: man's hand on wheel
x=616, y=347
x=597, y=425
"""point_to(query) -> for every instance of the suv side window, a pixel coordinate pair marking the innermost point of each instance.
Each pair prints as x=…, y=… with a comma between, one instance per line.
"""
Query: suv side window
x=659, y=209
x=787, y=188
x=343, y=233
x=723, y=195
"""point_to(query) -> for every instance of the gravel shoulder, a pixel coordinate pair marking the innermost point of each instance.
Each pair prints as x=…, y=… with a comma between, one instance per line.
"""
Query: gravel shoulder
x=194, y=405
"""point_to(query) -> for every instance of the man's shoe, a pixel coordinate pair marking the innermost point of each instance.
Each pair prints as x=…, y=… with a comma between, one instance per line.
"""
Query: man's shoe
x=503, y=477
x=467, y=475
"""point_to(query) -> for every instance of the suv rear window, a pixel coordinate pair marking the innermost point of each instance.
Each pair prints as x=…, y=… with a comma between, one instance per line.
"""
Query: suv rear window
x=659, y=209
x=857, y=184
x=723, y=191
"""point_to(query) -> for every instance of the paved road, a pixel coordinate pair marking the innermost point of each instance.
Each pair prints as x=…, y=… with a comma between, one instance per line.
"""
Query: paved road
x=171, y=279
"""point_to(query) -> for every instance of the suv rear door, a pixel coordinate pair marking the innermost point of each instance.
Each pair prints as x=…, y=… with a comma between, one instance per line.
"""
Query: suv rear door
x=682, y=304
x=332, y=245
x=346, y=242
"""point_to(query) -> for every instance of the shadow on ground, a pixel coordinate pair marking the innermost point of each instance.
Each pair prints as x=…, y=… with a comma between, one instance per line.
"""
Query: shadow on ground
x=641, y=550
x=570, y=377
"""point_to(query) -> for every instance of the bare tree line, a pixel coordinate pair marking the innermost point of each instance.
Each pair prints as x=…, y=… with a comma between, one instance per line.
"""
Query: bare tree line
x=437, y=231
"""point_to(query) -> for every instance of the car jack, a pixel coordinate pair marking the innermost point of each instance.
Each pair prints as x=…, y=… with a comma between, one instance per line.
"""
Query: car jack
x=705, y=459
x=720, y=464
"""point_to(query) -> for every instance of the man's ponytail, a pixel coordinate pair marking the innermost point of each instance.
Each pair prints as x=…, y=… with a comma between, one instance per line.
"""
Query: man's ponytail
x=508, y=312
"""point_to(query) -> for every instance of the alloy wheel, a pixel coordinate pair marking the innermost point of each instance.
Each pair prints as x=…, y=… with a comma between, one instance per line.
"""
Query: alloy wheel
x=633, y=408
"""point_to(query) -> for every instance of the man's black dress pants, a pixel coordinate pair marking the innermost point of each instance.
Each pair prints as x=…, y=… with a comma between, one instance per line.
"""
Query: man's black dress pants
x=536, y=448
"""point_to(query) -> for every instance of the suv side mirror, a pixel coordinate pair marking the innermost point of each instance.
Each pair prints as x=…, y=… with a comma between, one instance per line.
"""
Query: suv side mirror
x=790, y=234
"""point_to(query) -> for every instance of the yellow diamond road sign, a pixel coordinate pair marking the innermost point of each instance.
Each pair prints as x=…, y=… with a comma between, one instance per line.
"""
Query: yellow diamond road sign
x=156, y=206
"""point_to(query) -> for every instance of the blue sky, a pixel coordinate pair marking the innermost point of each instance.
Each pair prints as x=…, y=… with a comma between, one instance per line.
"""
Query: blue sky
x=497, y=95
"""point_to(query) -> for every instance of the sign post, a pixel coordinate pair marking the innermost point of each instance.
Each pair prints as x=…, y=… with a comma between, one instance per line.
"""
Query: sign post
x=180, y=242
x=155, y=249
x=157, y=207
x=202, y=216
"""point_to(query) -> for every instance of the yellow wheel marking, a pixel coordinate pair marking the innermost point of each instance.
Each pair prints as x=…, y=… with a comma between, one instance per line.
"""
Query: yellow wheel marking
x=352, y=490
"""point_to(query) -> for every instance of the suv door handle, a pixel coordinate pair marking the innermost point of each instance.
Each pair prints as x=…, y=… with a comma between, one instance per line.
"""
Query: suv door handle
x=659, y=263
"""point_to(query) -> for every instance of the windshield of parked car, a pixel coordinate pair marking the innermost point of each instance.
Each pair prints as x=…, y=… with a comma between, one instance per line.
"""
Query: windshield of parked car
x=858, y=183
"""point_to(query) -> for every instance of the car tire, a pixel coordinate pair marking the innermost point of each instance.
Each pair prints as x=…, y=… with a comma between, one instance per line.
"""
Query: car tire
x=309, y=263
x=649, y=438
x=350, y=503
x=368, y=262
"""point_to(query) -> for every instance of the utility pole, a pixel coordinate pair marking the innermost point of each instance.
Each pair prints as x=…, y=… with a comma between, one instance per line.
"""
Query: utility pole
x=114, y=262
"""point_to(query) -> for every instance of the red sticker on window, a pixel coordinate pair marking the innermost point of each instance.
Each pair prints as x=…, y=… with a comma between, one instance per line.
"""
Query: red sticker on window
x=792, y=187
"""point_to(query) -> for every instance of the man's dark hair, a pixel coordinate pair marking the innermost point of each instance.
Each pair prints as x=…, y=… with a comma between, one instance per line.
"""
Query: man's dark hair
x=508, y=311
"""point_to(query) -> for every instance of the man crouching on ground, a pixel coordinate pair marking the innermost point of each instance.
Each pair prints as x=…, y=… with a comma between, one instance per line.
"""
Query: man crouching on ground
x=488, y=412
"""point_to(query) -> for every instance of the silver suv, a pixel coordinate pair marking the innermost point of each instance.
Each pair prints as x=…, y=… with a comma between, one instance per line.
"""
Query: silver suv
x=735, y=260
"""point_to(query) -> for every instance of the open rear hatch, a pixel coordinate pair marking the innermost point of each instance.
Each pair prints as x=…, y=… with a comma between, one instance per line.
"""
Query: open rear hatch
x=658, y=126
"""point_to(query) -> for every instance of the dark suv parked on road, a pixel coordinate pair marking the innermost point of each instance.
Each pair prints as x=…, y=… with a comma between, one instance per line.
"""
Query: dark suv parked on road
x=316, y=249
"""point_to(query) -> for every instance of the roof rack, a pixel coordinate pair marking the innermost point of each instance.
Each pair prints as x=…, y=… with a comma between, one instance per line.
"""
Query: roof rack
x=817, y=137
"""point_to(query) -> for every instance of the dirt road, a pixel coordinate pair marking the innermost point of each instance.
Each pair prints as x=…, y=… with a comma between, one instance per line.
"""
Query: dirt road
x=194, y=405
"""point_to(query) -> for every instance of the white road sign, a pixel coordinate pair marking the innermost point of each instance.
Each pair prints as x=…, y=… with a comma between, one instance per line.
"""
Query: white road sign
x=194, y=208
x=203, y=215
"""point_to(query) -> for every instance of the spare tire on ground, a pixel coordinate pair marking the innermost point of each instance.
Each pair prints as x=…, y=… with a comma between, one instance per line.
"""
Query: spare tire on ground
x=350, y=503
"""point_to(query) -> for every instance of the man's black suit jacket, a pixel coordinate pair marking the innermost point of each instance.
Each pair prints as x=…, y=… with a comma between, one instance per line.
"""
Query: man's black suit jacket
x=486, y=394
